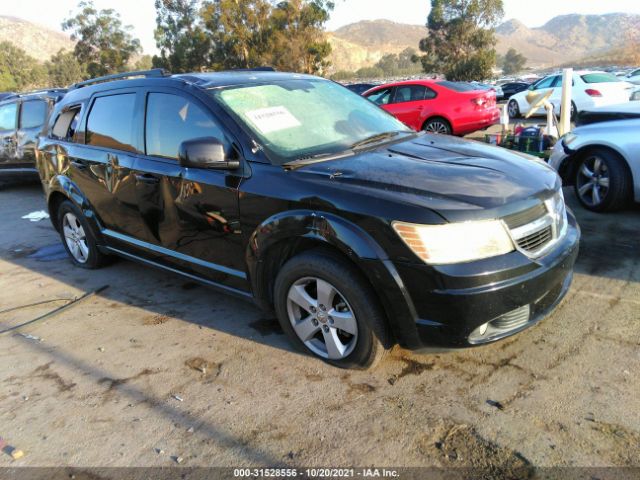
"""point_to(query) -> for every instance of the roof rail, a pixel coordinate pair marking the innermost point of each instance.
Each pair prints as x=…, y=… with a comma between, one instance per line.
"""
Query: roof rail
x=34, y=92
x=153, y=73
x=254, y=69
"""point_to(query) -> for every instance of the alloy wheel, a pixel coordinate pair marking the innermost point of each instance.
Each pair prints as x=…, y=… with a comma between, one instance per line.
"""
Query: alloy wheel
x=436, y=126
x=514, y=111
x=75, y=237
x=322, y=318
x=593, y=181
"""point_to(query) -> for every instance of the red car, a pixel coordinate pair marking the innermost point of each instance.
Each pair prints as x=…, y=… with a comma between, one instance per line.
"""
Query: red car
x=438, y=106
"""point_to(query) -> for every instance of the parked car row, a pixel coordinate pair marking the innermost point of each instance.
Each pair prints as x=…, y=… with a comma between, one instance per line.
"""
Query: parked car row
x=356, y=230
x=590, y=90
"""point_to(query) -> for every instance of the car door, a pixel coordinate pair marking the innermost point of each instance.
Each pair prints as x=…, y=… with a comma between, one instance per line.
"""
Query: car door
x=190, y=216
x=33, y=115
x=543, y=87
x=382, y=97
x=409, y=103
x=100, y=161
x=8, y=131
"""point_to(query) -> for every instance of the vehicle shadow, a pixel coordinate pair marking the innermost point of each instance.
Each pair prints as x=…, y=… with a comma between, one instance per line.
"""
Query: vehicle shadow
x=36, y=246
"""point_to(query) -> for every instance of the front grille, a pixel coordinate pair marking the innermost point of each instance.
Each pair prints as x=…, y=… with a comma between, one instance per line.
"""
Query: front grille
x=524, y=217
x=537, y=228
x=536, y=240
x=513, y=319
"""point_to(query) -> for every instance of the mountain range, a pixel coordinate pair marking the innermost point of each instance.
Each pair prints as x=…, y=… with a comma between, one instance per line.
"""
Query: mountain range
x=561, y=40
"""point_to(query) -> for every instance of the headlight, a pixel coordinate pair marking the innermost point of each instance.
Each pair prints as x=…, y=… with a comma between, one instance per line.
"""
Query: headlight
x=455, y=242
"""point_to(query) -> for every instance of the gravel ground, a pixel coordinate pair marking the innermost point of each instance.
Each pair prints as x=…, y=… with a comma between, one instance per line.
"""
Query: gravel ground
x=156, y=367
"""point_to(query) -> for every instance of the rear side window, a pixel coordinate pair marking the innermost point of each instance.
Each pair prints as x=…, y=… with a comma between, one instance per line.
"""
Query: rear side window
x=32, y=114
x=111, y=124
x=8, y=116
x=600, y=78
x=410, y=93
x=171, y=120
x=66, y=124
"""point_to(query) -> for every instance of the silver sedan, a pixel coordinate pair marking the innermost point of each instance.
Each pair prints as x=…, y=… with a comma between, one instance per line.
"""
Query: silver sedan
x=601, y=157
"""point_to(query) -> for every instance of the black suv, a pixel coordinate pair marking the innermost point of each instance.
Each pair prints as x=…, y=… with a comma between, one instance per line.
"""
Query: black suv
x=22, y=117
x=290, y=189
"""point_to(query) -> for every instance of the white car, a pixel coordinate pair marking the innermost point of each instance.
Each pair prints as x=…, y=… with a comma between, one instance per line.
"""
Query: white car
x=601, y=157
x=590, y=90
x=634, y=77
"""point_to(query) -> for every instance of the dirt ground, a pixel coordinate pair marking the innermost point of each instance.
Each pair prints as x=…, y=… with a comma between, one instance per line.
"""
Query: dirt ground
x=156, y=367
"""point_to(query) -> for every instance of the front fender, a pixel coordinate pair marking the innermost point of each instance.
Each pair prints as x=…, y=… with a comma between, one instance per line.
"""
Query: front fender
x=352, y=241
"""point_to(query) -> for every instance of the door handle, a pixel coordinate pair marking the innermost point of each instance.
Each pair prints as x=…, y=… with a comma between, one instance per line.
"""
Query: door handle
x=147, y=178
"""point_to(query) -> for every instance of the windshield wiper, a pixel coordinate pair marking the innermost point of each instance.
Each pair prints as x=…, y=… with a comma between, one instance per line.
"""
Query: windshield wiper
x=377, y=138
x=311, y=159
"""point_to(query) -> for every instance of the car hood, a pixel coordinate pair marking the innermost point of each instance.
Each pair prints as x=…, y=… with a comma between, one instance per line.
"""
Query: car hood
x=443, y=173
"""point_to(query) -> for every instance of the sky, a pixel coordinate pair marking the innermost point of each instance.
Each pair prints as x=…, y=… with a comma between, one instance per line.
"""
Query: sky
x=141, y=13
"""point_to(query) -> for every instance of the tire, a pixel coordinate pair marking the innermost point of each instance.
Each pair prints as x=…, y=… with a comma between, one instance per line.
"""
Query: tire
x=574, y=111
x=514, y=109
x=437, y=125
x=353, y=305
x=77, y=237
x=602, y=181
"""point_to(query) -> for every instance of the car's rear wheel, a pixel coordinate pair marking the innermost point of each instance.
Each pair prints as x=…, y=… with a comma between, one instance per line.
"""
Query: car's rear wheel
x=328, y=310
x=77, y=237
x=602, y=182
x=437, y=125
x=514, y=109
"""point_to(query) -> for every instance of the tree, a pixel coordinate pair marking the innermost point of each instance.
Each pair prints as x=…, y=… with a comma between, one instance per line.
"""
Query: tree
x=180, y=36
x=461, y=38
x=103, y=43
x=19, y=71
x=240, y=32
x=63, y=69
x=513, y=62
x=145, y=62
x=300, y=44
x=401, y=64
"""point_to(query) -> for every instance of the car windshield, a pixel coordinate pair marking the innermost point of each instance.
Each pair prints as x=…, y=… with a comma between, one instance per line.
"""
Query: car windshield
x=600, y=78
x=302, y=118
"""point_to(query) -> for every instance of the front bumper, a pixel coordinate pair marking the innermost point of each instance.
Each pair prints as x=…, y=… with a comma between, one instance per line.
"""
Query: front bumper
x=509, y=293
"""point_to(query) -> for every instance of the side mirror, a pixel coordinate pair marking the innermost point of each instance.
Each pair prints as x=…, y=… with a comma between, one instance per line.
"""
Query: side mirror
x=205, y=152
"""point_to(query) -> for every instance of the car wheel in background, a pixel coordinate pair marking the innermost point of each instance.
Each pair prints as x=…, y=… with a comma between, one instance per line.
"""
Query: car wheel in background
x=327, y=309
x=514, y=109
x=437, y=125
x=77, y=238
x=602, y=182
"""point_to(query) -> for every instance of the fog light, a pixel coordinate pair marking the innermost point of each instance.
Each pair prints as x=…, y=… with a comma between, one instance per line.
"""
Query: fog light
x=482, y=329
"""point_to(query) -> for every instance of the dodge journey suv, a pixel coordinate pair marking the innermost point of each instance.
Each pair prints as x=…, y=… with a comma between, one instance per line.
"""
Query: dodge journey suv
x=358, y=232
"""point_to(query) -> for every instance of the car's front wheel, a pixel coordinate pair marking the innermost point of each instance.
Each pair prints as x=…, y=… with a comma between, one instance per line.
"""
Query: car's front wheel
x=602, y=182
x=327, y=309
x=77, y=237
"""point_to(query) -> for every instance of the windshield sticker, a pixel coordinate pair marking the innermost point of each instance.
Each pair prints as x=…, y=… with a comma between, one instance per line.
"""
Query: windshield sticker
x=272, y=119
